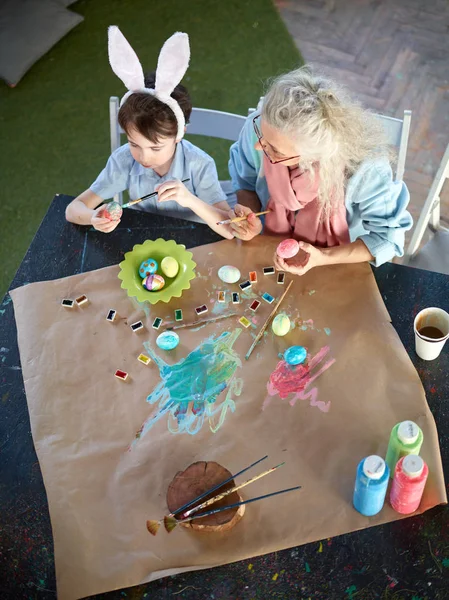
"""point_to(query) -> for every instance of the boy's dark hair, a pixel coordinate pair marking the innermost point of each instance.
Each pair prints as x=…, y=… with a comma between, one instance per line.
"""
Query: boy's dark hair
x=151, y=117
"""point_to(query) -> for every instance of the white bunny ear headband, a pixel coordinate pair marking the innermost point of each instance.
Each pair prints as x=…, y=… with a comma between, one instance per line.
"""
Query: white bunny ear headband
x=172, y=64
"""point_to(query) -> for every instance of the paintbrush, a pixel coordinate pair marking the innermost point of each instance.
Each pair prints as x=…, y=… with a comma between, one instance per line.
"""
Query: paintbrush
x=128, y=204
x=170, y=522
x=239, y=219
x=201, y=322
x=265, y=325
x=153, y=525
x=195, y=509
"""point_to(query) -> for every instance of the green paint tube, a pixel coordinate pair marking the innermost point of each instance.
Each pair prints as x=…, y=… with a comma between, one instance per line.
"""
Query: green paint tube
x=406, y=438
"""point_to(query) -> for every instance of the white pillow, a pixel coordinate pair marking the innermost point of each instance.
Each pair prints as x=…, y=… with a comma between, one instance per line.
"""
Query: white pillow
x=28, y=29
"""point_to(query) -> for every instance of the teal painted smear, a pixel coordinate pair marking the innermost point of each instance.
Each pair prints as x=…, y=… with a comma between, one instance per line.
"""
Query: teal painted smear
x=200, y=327
x=221, y=307
x=308, y=324
x=190, y=388
x=248, y=294
x=199, y=275
x=144, y=306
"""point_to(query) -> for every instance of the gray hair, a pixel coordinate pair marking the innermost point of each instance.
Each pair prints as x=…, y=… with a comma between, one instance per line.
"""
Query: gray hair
x=332, y=130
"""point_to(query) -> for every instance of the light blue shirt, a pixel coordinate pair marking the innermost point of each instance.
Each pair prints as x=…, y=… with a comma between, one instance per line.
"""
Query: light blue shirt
x=376, y=206
x=122, y=172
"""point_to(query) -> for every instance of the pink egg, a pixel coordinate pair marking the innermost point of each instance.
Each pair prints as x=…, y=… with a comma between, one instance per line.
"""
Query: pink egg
x=287, y=248
x=153, y=283
x=112, y=211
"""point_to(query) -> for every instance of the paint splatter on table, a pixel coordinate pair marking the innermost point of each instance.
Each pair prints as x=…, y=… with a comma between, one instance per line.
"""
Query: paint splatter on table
x=404, y=559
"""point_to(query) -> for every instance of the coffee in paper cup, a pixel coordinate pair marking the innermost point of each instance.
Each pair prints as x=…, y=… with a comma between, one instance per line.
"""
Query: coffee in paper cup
x=431, y=327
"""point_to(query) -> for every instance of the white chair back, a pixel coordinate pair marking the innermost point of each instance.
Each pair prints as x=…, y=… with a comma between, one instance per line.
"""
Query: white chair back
x=397, y=131
x=432, y=253
x=203, y=121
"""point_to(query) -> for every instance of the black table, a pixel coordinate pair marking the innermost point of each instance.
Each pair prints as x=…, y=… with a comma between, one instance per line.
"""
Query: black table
x=407, y=559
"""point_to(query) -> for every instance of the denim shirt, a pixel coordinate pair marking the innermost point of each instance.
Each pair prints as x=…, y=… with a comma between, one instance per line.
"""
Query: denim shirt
x=376, y=206
x=122, y=172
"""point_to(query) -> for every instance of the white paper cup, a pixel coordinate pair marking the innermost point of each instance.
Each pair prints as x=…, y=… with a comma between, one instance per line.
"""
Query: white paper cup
x=430, y=348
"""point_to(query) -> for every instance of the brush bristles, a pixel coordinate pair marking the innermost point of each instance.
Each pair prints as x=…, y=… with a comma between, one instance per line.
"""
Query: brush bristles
x=153, y=526
x=170, y=523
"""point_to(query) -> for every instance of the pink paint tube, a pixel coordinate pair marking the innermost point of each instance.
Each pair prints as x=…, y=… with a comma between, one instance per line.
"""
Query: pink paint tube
x=410, y=476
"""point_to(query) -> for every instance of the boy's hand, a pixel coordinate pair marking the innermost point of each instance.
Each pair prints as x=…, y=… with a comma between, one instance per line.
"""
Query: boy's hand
x=101, y=223
x=248, y=229
x=174, y=190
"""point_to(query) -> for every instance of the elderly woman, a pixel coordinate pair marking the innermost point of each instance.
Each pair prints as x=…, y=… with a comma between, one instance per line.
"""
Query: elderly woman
x=321, y=165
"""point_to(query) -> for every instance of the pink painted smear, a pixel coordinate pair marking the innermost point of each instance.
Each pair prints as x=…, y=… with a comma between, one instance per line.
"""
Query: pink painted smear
x=287, y=379
x=266, y=402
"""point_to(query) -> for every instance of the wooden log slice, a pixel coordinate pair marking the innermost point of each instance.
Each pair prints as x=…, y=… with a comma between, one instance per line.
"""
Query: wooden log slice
x=195, y=480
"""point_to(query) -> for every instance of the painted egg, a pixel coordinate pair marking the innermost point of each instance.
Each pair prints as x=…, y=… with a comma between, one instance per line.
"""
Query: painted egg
x=169, y=266
x=112, y=211
x=287, y=248
x=280, y=324
x=153, y=283
x=148, y=267
x=295, y=355
x=168, y=340
x=229, y=274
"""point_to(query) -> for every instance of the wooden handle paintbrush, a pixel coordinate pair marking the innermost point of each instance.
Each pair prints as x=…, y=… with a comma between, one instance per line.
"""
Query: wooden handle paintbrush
x=170, y=523
x=128, y=204
x=195, y=509
x=201, y=322
x=154, y=525
x=239, y=219
x=265, y=325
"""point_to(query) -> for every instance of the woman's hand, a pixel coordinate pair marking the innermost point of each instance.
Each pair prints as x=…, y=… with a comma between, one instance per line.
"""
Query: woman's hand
x=308, y=257
x=101, y=223
x=176, y=191
x=248, y=229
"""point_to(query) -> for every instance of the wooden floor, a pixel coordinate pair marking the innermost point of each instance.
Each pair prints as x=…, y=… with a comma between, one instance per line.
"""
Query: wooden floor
x=393, y=55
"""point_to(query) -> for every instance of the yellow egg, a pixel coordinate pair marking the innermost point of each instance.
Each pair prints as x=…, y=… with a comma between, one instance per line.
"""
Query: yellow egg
x=169, y=266
x=280, y=325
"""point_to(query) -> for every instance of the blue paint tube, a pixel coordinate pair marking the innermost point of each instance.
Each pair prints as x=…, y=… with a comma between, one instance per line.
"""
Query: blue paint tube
x=371, y=485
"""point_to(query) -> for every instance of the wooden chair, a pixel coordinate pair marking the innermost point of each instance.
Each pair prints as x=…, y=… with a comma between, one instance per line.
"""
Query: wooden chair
x=203, y=121
x=434, y=256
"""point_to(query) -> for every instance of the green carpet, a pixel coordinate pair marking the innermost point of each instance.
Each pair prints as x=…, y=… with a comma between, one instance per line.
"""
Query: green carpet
x=54, y=126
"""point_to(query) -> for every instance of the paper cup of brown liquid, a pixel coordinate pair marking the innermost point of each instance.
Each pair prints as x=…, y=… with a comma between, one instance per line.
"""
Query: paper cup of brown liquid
x=431, y=327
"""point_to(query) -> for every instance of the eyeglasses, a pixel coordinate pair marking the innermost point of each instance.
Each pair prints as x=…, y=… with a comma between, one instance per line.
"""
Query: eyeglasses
x=260, y=138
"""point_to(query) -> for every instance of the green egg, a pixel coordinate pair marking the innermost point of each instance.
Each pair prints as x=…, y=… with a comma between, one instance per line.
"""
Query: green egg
x=281, y=324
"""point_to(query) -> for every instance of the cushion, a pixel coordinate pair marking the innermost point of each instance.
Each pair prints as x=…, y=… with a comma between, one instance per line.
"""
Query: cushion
x=28, y=29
